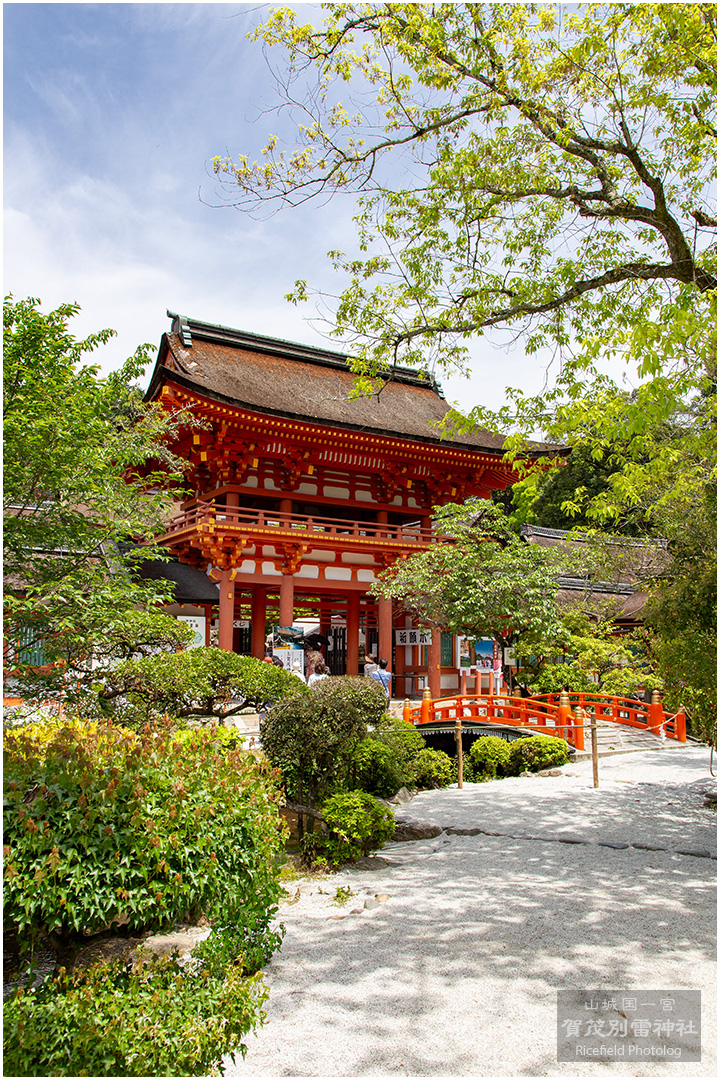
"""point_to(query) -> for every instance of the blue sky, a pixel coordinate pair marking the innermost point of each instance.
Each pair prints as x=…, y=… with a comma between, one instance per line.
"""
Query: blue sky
x=113, y=113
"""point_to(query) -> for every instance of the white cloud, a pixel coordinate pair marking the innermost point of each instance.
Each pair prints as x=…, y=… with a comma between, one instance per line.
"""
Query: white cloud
x=106, y=157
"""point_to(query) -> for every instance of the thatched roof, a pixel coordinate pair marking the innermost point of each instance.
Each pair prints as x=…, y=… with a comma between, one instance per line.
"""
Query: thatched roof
x=631, y=564
x=191, y=586
x=281, y=378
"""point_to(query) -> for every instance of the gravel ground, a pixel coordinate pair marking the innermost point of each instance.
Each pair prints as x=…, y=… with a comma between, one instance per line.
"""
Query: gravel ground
x=446, y=959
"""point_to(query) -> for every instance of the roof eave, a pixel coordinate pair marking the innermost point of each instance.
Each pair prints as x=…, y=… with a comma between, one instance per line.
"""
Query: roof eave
x=162, y=373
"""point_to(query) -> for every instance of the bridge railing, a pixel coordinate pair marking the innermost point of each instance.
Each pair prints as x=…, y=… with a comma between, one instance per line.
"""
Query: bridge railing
x=541, y=717
x=546, y=715
x=629, y=712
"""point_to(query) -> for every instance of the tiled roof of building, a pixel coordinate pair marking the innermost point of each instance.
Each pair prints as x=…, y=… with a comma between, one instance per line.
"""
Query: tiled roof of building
x=302, y=383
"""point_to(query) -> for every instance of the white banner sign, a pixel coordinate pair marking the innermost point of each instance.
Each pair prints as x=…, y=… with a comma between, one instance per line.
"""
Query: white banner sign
x=413, y=637
x=197, y=624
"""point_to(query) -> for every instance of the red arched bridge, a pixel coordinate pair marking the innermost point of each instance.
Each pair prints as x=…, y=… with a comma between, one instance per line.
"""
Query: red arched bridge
x=564, y=716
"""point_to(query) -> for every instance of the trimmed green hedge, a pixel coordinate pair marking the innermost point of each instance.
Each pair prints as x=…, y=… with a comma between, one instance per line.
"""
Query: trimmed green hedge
x=433, y=769
x=312, y=738
x=357, y=824
x=489, y=757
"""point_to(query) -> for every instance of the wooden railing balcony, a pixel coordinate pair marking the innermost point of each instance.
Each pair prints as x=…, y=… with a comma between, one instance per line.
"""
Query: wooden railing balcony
x=208, y=518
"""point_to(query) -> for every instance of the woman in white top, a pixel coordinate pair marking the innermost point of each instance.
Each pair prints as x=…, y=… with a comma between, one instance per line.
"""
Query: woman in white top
x=319, y=673
x=370, y=665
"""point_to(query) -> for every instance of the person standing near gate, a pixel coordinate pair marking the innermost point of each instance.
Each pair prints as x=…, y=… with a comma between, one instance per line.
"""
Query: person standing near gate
x=383, y=676
x=370, y=665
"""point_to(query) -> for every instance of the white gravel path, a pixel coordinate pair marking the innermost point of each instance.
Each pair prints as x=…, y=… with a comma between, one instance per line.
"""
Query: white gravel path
x=452, y=967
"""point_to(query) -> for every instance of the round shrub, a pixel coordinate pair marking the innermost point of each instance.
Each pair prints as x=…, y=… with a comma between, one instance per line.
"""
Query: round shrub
x=312, y=738
x=489, y=756
x=105, y=825
x=403, y=739
x=434, y=769
x=358, y=824
x=375, y=769
x=153, y=1018
x=349, y=694
x=537, y=752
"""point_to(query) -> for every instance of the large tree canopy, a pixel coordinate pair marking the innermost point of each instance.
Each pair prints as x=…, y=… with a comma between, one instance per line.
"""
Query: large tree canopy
x=488, y=583
x=554, y=159
x=532, y=171
x=529, y=168
x=86, y=470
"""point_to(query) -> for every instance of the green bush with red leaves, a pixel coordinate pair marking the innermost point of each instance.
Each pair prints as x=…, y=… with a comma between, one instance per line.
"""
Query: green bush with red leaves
x=107, y=826
x=147, y=1018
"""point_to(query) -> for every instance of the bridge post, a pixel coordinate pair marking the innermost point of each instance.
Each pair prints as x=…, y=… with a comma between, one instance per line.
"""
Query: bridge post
x=425, y=707
x=577, y=729
x=680, y=727
x=463, y=683
x=406, y=711
x=564, y=715
x=656, y=716
x=594, y=744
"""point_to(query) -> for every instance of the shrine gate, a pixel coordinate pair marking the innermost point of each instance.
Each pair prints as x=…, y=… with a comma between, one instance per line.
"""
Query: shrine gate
x=298, y=497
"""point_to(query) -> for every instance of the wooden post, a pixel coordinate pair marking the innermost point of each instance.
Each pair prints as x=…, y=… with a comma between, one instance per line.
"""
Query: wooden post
x=458, y=743
x=385, y=631
x=353, y=633
x=564, y=715
x=656, y=715
x=287, y=590
x=594, y=744
x=425, y=707
x=463, y=683
x=434, y=657
x=577, y=720
x=399, y=668
x=258, y=617
x=680, y=731
x=407, y=709
x=226, y=613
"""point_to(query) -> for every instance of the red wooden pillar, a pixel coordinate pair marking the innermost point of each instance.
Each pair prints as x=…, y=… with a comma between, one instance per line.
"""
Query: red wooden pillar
x=287, y=593
x=400, y=686
x=385, y=630
x=434, y=665
x=353, y=633
x=258, y=618
x=226, y=614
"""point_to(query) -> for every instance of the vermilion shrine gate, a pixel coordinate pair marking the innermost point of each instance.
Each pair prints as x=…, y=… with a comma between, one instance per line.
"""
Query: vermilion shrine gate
x=299, y=497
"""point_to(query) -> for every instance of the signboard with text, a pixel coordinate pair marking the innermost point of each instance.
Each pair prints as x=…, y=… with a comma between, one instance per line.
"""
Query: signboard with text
x=197, y=625
x=413, y=637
